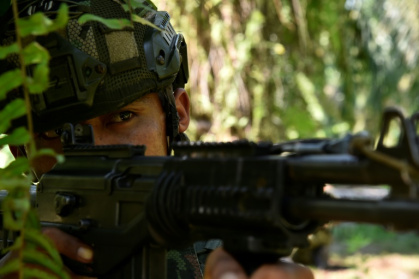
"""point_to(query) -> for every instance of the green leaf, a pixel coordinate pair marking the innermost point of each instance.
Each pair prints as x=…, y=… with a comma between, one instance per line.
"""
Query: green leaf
x=10, y=80
x=12, y=110
x=34, y=53
x=125, y=7
x=40, y=80
x=151, y=3
x=10, y=266
x=9, y=221
x=112, y=23
x=32, y=220
x=13, y=209
x=9, y=183
x=19, y=136
x=6, y=50
x=39, y=24
x=144, y=21
x=38, y=257
x=36, y=273
x=17, y=244
x=15, y=168
x=308, y=91
x=60, y=158
x=139, y=4
x=19, y=204
x=62, y=17
x=35, y=236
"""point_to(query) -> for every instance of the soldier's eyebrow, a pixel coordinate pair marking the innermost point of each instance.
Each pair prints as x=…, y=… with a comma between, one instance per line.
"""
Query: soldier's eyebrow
x=145, y=99
x=138, y=104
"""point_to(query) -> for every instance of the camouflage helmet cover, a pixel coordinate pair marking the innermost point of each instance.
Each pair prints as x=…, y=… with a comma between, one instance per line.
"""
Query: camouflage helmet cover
x=95, y=70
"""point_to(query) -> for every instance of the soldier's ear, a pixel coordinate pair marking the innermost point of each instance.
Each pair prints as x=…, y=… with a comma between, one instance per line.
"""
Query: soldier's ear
x=182, y=107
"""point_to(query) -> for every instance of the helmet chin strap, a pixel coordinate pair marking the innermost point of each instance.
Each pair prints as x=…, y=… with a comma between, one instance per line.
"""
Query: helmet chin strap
x=167, y=99
x=168, y=102
x=172, y=127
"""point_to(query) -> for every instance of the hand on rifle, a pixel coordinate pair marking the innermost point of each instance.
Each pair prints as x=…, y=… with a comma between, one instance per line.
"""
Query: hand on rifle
x=66, y=245
x=70, y=247
x=221, y=265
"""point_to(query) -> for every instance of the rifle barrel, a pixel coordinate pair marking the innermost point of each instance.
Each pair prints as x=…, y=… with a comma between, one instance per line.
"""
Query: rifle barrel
x=391, y=212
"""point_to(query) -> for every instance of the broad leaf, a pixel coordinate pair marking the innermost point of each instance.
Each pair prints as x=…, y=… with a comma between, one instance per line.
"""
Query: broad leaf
x=6, y=50
x=37, y=237
x=112, y=23
x=32, y=220
x=40, y=80
x=12, y=110
x=10, y=80
x=39, y=24
x=144, y=21
x=34, y=53
x=9, y=183
x=138, y=5
x=62, y=17
x=15, y=168
x=19, y=136
x=17, y=204
x=125, y=7
x=36, y=24
x=10, y=266
x=17, y=244
x=38, y=257
x=9, y=221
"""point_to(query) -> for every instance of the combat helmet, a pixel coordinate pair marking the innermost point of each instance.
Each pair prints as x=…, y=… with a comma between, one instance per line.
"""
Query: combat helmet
x=90, y=75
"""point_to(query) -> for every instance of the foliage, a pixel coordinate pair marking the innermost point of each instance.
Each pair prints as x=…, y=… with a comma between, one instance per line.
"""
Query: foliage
x=374, y=239
x=281, y=69
x=121, y=23
x=5, y=157
x=18, y=216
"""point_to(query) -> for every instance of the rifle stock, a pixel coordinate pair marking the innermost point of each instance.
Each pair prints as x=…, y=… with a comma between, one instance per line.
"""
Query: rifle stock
x=261, y=199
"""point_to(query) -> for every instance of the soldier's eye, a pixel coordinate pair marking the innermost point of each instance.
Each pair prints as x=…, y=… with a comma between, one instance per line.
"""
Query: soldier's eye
x=122, y=116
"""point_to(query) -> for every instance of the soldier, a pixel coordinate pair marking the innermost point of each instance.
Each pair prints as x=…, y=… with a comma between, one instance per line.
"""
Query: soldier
x=128, y=85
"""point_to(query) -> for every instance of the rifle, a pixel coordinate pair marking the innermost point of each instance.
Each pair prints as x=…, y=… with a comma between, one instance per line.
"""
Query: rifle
x=261, y=199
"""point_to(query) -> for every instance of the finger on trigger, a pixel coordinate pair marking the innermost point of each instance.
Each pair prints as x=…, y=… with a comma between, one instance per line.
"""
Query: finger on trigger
x=221, y=265
x=69, y=245
x=283, y=270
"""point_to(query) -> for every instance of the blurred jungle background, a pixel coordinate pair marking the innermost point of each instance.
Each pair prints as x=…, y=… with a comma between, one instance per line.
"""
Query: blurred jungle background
x=284, y=69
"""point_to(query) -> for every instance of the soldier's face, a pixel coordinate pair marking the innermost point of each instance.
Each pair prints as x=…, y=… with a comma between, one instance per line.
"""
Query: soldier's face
x=141, y=123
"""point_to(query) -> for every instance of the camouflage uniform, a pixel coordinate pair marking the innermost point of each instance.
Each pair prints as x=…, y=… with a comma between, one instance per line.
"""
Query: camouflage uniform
x=189, y=263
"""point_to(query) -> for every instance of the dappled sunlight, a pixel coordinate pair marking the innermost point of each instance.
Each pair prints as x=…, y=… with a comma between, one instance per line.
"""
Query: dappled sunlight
x=295, y=69
x=391, y=266
x=5, y=156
